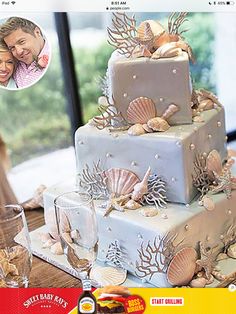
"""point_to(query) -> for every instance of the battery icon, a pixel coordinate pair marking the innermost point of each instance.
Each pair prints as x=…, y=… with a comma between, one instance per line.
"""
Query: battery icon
x=230, y=2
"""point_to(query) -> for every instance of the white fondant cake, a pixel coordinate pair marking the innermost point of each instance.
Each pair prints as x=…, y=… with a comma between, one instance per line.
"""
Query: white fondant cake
x=156, y=143
x=165, y=81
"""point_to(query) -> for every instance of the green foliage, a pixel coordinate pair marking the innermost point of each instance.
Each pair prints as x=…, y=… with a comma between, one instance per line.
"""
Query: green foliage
x=33, y=121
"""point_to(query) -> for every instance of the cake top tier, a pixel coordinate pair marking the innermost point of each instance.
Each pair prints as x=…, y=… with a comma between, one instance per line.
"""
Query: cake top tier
x=150, y=38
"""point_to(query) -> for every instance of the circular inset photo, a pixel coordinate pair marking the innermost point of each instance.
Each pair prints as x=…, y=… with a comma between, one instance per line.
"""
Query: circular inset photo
x=24, y=53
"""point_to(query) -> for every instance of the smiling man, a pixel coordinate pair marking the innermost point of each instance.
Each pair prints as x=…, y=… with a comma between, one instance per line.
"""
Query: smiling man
x=28, y=45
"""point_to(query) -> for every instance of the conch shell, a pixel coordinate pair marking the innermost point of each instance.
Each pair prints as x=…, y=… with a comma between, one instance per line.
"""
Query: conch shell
x=141, y=188
x=158, y=124
x=141, y=110
x=172, y=109
x=168, y=50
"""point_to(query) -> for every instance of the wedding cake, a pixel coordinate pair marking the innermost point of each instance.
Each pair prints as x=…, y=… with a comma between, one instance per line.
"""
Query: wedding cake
x=156, y=163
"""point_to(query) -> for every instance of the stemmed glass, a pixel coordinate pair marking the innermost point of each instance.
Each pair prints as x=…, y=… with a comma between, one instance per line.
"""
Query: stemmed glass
x=15, y=252
x=78, y=208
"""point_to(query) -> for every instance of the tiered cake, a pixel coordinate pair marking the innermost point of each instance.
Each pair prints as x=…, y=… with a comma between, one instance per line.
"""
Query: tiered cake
x=155, y=160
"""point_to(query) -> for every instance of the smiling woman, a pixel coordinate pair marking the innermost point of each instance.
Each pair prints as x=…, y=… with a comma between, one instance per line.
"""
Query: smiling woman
x=28, y=45
x=7, y=66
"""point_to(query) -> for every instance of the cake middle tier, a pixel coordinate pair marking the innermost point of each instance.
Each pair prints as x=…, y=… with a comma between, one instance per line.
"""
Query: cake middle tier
x=170, y=154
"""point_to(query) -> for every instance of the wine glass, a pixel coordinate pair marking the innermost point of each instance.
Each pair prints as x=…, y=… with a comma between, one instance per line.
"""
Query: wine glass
x=76, y=209
x=15, y=252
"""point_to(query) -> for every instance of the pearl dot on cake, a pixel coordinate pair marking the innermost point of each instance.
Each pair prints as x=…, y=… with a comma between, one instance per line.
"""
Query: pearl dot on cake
x=186, y=227
x=81, y=142
x=229, y=212
x=134, y=77
x=204, y=154
x=209, y=136
x=174, y=71
x=173, y=179
x=140, y=236
x=161, y=99
x=208, y=238
x=125, y=95
x=133, y=163
x=187, y=205
x=192, y=146
x=108, y=155
x=219, y=124
x=226, y=138
x=109, y=229
x=178, y=143
x=221, y=236
x=157, y=156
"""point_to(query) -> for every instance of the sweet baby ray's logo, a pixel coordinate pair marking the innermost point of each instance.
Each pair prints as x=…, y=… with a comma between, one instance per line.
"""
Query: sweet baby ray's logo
x=45, y=302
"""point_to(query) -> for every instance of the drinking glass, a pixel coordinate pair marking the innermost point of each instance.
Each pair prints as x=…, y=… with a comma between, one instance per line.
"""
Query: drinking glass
x=15, y=252
x=78, y=209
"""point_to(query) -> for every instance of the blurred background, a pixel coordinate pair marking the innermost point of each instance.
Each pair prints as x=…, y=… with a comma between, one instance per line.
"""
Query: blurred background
x=35, y=121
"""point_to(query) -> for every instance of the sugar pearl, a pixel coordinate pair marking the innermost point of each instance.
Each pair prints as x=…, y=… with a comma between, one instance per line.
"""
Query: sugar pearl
x=109, y=229
x=174, y=71
x=221, y=236
x=204, y=154
x=81, y=142
x=187, y=205
x=208, y=238
x=134, y=77
x=186, y=227
x=192, y=146
x=226, y=138
x=219, y=124
x=108, y=155
x=229, y=212
x=157, y=156
x=173, y=179
x=161, y=99
x=209, y=136
x=133, y=163
x=178, y=143
x=140, y=236
x=125, y=95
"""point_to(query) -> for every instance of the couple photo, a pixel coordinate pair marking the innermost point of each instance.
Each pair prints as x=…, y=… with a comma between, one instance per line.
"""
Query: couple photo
x=24, y=53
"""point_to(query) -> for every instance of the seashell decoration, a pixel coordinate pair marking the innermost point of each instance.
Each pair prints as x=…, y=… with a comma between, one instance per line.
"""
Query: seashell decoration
x=182, y=267
x=206, y=104
x=108, y=275
x=141, y=51
x=75, y=235
x=168, y=50
x=136, y=129
x=64, y=223
x=149, y=30
x=141, y=110
x=172, y=109
x=131, y=204
x=164, y=39
x=213, y=164
x=147, y=129
x=207, y=203
x=56, y=249
x=48, y=243
x=231, y=252
x=198, y=282
x=158, y=124
x=66, y=236
x=141, y=188
x=198, y=119
x=121, y=181
x=149, y=212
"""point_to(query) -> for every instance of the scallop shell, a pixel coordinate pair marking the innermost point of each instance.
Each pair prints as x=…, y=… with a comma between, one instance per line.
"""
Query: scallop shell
x=147, y=129
x=121, y=181
x=213, y=163
x=131, y=204
x=158, y=124
x=172, y=109
x=149, y=30
x=141, y=110
x=149, y=212
x=136, y=129
x=106, y=276
x=198, y=282
x=182, y=267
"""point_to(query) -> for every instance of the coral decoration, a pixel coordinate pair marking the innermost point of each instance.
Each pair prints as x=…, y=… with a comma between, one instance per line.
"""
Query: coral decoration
x=150, y=36
x=207, y=260
x=115, y=255
x=110, y=116
x=94, y=181
x=123, y=36
x=156, y=194
x=154, y=258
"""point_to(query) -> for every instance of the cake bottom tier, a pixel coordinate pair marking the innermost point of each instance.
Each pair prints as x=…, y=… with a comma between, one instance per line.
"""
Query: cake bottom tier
x=159, y=249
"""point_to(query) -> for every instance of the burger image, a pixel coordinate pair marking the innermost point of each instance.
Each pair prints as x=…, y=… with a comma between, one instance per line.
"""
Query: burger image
x=111, y=299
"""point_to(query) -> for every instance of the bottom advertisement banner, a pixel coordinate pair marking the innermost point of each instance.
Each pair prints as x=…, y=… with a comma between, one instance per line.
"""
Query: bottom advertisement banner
x=121, y=300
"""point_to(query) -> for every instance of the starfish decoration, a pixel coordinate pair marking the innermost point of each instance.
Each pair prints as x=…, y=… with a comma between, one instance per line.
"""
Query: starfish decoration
x=207, y=260
x=116, y=203
x=225, y=182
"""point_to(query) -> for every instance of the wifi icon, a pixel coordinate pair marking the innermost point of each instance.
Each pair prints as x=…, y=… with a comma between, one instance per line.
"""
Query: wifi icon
x=13, y=2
